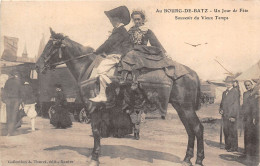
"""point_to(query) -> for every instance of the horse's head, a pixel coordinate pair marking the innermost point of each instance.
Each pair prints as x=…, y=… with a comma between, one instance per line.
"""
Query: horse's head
x=52, y=53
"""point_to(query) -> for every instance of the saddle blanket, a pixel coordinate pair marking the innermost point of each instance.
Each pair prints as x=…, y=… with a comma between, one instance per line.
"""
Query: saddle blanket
x=173, y=72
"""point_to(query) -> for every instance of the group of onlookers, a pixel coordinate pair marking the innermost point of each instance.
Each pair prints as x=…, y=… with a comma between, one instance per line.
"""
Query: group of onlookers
x=231, y=110
x=17, y=100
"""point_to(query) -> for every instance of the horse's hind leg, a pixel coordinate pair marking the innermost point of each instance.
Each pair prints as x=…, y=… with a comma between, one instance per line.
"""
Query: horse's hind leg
x=198, y=130
x=191, y=135
x=193, y=127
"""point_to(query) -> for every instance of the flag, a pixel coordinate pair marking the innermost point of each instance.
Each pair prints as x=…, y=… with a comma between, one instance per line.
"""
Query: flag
x=10, y=48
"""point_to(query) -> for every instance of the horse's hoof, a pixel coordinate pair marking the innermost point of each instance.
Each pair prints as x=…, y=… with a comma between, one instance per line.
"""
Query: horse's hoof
x=185, y=163
x=198, y=162
x=137, y=136
x=94, y=163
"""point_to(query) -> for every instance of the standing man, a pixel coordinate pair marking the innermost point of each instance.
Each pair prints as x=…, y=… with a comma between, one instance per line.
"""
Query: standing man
x=251, y=119
x=229, y=108
x=13, y=98
x=248, y=119
x=116, y=46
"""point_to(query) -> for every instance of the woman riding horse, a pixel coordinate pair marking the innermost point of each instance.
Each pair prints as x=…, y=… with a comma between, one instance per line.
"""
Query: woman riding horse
x=143, y=56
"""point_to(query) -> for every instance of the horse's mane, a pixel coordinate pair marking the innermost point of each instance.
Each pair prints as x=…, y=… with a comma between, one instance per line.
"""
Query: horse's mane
x=58, y=36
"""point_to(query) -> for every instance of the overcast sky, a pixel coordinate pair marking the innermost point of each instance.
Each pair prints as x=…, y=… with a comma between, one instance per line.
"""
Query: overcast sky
x=234, y=42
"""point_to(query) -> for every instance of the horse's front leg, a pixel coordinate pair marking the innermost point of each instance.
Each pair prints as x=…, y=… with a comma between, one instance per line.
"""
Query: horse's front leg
x=95, y=125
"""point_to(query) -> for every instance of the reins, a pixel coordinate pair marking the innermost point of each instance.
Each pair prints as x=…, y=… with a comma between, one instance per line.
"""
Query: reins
x=62, y=62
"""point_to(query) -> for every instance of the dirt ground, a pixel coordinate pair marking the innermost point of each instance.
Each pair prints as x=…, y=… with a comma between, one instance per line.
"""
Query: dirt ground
x=162, y=143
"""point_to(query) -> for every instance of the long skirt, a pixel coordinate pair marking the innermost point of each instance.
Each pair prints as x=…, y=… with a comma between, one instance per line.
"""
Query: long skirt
x=145, y=57
x=60, y=117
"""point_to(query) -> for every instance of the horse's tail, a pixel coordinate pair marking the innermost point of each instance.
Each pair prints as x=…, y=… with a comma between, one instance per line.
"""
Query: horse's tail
x=197, y=103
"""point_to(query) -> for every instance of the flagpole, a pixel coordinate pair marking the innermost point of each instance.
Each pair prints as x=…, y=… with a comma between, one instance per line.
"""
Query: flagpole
x=224, y=68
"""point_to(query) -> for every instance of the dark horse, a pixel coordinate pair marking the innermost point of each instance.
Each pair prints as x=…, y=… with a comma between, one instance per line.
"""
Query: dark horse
x=184, y=92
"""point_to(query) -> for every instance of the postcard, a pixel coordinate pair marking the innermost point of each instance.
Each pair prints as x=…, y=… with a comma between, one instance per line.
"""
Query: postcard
x=102, y=82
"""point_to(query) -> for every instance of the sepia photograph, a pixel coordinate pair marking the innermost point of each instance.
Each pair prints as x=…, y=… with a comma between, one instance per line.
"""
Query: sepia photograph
x=120, y=82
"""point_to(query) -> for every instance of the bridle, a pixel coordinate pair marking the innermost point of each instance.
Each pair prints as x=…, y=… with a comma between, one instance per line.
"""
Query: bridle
x=59, y=49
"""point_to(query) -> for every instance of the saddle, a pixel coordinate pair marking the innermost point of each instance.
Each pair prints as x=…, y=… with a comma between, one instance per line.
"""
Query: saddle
x=174, y=72
x=156, y=83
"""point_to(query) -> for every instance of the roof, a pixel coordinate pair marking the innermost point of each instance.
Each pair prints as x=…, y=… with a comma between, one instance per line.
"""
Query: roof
x=250, y=74
x=24, y=68
x=217, y=82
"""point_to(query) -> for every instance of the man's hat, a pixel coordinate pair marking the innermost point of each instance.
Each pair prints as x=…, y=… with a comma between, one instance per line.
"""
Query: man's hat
x=255, y=80
x=16, y=72
x=58, y=86
x=229, y=79
x=120, y=12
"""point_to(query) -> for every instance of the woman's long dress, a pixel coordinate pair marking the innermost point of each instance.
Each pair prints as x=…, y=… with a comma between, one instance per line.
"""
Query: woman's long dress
x=60, y=118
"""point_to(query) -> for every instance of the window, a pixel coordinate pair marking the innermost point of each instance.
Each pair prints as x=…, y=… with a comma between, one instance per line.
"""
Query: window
x=34, y=74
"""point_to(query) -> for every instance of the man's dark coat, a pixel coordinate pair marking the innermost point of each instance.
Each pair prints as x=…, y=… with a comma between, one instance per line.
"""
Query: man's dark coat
x=230, y=106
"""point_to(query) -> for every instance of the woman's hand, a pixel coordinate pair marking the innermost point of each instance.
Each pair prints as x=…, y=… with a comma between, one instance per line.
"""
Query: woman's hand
x=104, y=55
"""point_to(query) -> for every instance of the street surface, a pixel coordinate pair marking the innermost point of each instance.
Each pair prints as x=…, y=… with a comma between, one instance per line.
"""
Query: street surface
x=162, y=142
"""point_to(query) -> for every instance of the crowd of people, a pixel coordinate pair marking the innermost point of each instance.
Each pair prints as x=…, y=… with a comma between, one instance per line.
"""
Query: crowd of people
x=18, y=100
x=231, y=110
